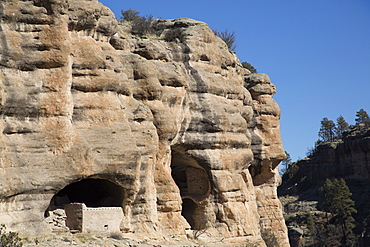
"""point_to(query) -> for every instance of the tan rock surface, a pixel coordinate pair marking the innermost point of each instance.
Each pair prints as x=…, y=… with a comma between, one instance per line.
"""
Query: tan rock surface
x=166, y=118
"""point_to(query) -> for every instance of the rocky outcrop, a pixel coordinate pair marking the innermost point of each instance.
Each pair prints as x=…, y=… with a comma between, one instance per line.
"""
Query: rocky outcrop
x=159, y=125
x=346, y=158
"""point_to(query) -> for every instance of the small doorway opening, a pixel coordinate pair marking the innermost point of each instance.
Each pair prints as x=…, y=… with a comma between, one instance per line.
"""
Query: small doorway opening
x=193, y=182
x=194, y=214
x=190, y=177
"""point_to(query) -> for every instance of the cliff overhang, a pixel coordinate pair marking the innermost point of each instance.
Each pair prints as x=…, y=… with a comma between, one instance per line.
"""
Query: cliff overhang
x=165, y=124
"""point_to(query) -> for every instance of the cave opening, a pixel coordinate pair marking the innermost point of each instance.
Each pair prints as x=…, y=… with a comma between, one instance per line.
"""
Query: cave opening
x=194, y=214
x=188, y=212
x=194, y=185
x=189, y=176
x=92, y=192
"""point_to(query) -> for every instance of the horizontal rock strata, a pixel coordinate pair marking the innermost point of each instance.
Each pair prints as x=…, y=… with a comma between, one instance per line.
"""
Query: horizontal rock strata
x=169, y=126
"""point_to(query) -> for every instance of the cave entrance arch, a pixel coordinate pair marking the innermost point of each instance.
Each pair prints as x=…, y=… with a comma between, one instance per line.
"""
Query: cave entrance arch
x=88, y=205
x=92, y=192
x=194, y=184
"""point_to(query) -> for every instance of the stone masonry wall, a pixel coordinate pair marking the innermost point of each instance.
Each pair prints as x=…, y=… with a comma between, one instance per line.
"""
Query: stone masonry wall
x=102, y=219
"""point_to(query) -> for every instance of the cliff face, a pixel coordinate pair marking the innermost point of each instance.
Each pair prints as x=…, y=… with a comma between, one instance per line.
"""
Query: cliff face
x=348, y=158
x=161, y=126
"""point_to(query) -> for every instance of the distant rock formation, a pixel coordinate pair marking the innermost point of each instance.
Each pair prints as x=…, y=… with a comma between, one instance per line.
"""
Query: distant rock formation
x=347, y=158
x=161, y=126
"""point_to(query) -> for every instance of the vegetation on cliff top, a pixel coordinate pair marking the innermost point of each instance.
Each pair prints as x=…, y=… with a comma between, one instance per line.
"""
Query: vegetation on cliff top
x=140, y=25
x=330, y=131
x=143, y=25
x=228, y=37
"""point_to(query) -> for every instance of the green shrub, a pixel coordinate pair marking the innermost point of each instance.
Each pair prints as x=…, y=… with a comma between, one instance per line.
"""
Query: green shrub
x=249, y=67
x=129, y=15
x=140, y=25
x=9, y=239
x=228, y=37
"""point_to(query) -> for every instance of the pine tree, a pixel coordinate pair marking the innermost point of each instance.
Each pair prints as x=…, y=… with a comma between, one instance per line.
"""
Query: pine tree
x=310, y=222
x=362, y=116
x=285, y=163
x=339, y=204
x=341, y=126
x=327, y=129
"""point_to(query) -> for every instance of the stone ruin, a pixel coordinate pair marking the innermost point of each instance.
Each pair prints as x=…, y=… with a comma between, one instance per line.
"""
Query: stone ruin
x=169, y=127
x=90, y=205
x=101, y=219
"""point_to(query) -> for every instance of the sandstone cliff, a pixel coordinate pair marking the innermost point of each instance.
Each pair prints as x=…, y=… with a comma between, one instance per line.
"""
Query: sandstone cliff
x=161, y=126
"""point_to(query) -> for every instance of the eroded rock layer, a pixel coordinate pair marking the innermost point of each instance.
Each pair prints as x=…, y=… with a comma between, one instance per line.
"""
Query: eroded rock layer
x=169, y=127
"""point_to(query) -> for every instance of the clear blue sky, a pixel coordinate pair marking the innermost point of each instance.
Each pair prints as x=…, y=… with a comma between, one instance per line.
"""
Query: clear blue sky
x=316, y=52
